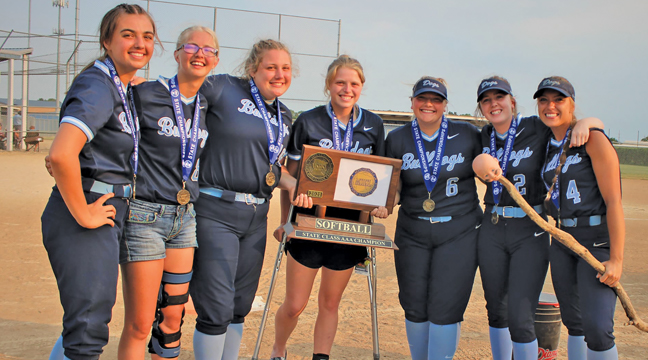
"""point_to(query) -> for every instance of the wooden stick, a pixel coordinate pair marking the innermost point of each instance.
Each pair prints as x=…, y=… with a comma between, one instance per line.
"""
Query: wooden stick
x=569, y=241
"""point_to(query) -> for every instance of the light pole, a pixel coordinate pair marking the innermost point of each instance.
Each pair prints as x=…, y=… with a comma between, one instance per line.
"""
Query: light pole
x=59, y=32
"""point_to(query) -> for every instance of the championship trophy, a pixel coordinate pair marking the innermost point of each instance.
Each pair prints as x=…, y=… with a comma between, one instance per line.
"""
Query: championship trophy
x=335, y=180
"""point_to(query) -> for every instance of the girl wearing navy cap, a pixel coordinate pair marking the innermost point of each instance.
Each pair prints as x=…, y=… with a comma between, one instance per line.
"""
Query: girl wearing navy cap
x=438, y=221
x=160, y=235
x=513, y=252
x=93, y=159
x=359, y=131
x=584, y=186
x=248, y=129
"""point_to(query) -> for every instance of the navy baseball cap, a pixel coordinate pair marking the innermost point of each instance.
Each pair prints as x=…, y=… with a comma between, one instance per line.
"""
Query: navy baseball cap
x=493, y=84
x=558, y=84
x=430, y=85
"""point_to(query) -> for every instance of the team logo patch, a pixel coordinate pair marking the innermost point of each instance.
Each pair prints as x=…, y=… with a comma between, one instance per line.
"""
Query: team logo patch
x=363, y=182
x=318, y=167
x=550, y=82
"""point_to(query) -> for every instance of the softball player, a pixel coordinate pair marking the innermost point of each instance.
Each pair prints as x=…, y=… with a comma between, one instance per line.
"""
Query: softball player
x=93, y=159
x=438, y=221
x=343, y=125
x=584, y=184
x=240, y=166
x=513, y=252
x=160, y=234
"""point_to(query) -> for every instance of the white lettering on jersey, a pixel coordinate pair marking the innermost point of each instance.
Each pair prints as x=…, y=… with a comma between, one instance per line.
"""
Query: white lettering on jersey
x=328, y=144
x=515, y=157
x=571, y=160
x=124, y=123
x=248, y=107
x=410, y=162
x=168, y=129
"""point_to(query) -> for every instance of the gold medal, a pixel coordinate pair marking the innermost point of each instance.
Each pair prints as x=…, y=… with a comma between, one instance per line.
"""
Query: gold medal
x=495, y=218
x=428, y=205
x=183, y=197
x=270, y=178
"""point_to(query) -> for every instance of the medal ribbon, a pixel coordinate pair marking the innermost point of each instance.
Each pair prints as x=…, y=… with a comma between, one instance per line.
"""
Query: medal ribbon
x=430, y=179
x=508, y=147
x=187, y=153
x=348, y=136
x=127, y=110
x=555, y=194
x=274, y=147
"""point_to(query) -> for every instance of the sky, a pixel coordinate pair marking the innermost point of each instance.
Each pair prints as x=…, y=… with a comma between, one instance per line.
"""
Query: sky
x=600, y=46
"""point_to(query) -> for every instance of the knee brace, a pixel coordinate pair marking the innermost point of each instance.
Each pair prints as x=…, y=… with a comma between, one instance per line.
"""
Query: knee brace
x=159, y=339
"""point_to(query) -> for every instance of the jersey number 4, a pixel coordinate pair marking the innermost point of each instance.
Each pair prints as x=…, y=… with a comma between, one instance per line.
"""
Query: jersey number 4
x=572, y=192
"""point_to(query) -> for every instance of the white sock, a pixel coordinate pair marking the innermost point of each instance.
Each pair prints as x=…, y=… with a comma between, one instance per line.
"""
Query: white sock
x=208, y=347
x=233, y=338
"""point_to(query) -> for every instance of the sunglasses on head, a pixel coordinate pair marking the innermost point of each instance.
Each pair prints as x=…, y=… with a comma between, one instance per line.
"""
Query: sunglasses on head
x=208, y=51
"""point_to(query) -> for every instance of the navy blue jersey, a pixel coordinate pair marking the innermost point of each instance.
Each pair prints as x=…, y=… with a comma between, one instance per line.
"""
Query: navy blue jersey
x=525, y=161
x=579, y=191
x=236, y=155
x=159, y=177
x=455, y=192
x=93, y=105
x=314, y=127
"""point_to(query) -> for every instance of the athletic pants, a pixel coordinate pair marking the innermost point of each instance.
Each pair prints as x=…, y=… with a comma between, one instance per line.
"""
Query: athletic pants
x=228, y=260
x=586, y=304
x=435, y=266
x=513, y=258
x=86, y=265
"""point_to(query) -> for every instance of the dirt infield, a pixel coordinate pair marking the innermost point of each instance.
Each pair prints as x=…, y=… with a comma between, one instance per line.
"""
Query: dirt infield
x=30, y=312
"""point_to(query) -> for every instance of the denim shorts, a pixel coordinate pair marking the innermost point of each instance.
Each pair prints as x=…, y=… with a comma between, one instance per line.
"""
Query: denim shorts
x=152, y=228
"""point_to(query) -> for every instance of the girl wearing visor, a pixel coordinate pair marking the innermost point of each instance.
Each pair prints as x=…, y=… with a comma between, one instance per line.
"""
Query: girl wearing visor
x=513, y=252
x=341, y=125
x=438, y=221
x=160, y=236
x=584, y=184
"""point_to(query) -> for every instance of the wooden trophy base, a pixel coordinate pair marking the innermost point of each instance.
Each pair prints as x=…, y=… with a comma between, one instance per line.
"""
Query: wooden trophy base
x=339, y=231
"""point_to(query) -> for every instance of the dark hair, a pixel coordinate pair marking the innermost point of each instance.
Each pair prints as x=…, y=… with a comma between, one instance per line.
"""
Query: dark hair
x=561, y=162
x=109, y=23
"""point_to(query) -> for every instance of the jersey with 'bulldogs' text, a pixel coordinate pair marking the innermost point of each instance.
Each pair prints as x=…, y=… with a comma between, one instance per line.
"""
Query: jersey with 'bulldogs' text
x=314, y=127
x=455, y=192
x=579, y=191
x=236, y=155
x=159, y=177
x=525, y=161
x=94, y=106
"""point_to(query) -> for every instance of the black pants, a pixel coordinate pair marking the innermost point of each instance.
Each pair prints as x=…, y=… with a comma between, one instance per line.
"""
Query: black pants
x=586, y=305
x=227, y=262
x=435, y=266
x=513, y=258
x=86, y=266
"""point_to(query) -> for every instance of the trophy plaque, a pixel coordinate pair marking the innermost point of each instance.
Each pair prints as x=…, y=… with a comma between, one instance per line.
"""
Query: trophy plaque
x=345, y=180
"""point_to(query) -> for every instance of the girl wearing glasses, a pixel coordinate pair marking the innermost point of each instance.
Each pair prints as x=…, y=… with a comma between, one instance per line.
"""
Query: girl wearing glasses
x=438, y=221
x=240, y=167
x=584, y=185
x=342, y=125
x=160, y=236
x=92, y=160
x=513, y=252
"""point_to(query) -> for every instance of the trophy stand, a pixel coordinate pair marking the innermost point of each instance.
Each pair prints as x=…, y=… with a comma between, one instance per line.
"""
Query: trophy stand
x=348, y=181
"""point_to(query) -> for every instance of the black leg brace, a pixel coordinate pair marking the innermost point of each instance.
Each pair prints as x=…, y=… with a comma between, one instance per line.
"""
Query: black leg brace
x=159, y=339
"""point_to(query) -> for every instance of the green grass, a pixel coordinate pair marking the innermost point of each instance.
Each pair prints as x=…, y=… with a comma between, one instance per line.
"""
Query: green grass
x=634, y=172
